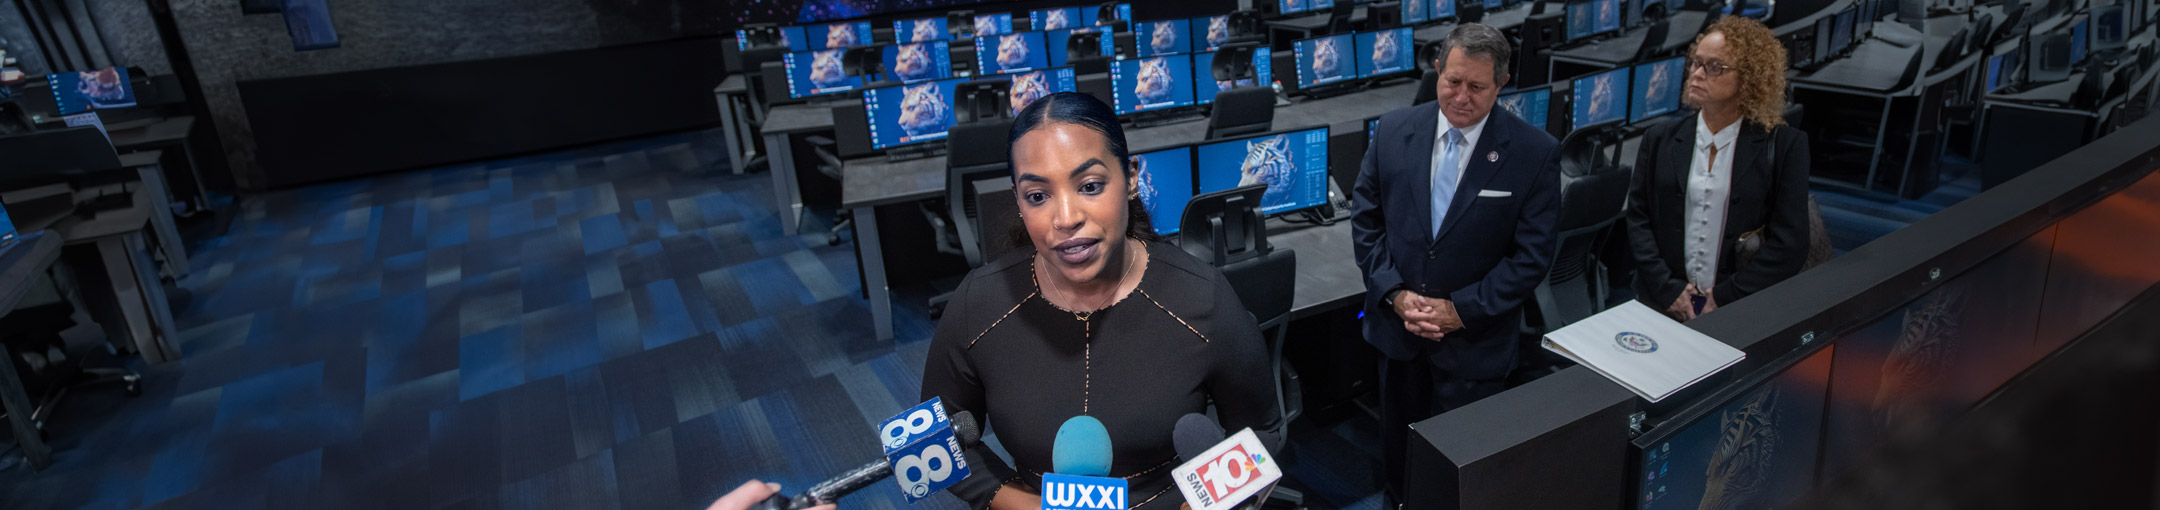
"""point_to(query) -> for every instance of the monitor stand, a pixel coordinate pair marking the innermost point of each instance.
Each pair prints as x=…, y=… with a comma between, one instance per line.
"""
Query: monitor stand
x=1166, y=117
x=914, y=152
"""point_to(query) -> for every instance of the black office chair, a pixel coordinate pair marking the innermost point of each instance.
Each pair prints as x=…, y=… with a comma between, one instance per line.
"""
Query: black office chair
x=1427, y=88
x=1242, y=111
x=975, y=151
x=1951, y=52
x=2013, y=17
x=1082, y=46
x=1247, y=28
x=1912, y=72
x=1653, y=44
x=1593, y=192
x=755, y=60
x=50, y=343
x=1985, y=24
x=1381, y=15
x=1339, y=19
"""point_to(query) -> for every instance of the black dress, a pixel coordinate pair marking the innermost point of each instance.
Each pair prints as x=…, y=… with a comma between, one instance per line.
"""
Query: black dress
x=1008, y=355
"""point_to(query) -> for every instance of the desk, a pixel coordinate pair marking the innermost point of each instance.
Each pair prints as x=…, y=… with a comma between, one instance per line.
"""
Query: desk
x=1325, y=260
x=1304, y=27
x=780, y=123
x=20, y=266
x=1866, y=73
x=136, y=309
x=1503, y=20
x=1620, y=50
x=733, y=94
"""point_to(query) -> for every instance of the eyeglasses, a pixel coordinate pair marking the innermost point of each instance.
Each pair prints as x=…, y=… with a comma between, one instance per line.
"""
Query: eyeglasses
x=1710, y=68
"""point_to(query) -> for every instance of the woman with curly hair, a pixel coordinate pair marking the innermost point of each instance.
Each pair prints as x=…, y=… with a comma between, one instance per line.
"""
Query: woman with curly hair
x=1719, y=205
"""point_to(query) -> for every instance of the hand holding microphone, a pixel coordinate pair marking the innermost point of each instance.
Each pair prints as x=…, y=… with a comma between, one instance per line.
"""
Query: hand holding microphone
x=1219, y=473
x=923, y=451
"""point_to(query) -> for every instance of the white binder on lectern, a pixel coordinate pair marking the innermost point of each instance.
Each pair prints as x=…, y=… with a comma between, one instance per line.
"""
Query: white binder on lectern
x=1642, y=350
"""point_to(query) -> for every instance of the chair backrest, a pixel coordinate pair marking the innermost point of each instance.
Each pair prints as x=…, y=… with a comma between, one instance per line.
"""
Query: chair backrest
x=1083, y=45
x=974, y=150
x=1242, y=111
x=1224, y=227
x=1381, y=15
x=2013, y=18
x=998, y=217
x=769, y=86
x=1593, y=193
x=1912, y=71
x=1985, y=24
x=1950, y=52
x=1095, y=84
x=1428, y=88
x=1339, y=18
x=1265, y=284
x=1653, y=41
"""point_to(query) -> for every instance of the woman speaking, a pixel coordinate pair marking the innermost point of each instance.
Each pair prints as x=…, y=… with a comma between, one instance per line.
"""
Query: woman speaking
x=1092, y=316
x=1718, y=208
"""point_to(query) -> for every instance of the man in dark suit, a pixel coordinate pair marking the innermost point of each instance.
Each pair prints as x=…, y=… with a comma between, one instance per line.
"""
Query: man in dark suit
x=1455, y=205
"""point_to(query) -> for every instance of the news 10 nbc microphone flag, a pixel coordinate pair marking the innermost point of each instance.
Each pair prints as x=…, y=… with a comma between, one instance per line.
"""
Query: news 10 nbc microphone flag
x=922, y=449
x=1235, y=470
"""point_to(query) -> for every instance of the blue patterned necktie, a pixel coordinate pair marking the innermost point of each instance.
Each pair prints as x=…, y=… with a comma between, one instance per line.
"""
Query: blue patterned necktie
x=1445, y=177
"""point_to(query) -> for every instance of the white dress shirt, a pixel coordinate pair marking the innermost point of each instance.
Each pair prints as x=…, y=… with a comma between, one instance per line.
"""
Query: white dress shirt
x=1463, y=155
x=1709, y=186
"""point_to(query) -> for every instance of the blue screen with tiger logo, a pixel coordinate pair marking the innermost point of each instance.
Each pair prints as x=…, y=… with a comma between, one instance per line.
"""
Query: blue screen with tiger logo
x=1165, y=182
x=1152, y=83
x=914, y=62
x=1324, y=60
x=1293, y=164
x=1011, y=53
x=812, y=73
x=910, y=114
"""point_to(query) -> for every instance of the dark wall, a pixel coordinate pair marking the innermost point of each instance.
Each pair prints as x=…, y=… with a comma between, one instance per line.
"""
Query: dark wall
x=330, y=126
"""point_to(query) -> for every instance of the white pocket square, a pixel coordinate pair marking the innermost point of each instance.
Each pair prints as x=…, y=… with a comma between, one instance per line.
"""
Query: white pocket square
x=1494, y=193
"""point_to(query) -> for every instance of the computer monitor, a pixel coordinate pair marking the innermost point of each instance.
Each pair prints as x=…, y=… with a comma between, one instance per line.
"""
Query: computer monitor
x=7, y=226
x=1439, y=9
x=993, y=24
x=838, y=35
x=102, y=89
x=1866, y=24
x=1841, y=34
x=1205, y=85
x=1153, y=83
x=1166, y=182
x=1060, y=39
x=1416, y=11
x=1533, y=106
x=2079, y=34
x=1320, y=60
x=2000, y=69
x=1214, y=32
x=1588, y=18
x=1322, y=4
x=1292, y=163
x=1163, y=37
x=919, y=30
x=1657, y=88
x=791, y=37
x=910, y=114
x=1386, y=52
x=818, y=72
x=1032, y=85
x=1293, y=6
x=2110, y=27
x=1043, y=20
x=1753, y=446
x=914, y=62
x=1011, y=53
x=1493, y=5
x=1600, y=98
x=1825, y=39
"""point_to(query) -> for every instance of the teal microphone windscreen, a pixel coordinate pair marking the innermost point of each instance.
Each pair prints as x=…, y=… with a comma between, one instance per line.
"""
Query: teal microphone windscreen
x=1082, y=448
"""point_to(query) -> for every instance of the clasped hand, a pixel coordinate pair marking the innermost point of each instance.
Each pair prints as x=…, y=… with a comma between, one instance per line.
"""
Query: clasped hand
x=1431, y=318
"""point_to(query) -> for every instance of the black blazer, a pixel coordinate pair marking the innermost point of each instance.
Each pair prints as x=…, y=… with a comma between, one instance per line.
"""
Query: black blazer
x=1495, y=247
x=1765, y=194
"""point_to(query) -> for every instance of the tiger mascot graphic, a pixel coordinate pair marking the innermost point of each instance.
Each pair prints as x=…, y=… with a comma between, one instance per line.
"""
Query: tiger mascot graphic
x=1027, y=88
x=840, y=36
x=1012, y=52
x=1327, y=59
x=1154, y=83
x=1387, y=48
x=925, y=30
x=1740, y=464
x=1164, y=38
x=1603, y=96
x=1661, y=81
x=912, y=63
x=984, y=26
x=924, y=111
x=1409, y=6
x=1268, y=161
x=825, y=69
x=1145, y=181
x=1056, y=19
x=1919, y=362
x=1218, y=31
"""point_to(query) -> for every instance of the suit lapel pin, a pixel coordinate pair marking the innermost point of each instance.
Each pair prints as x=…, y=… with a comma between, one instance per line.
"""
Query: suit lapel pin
x=1492, y=157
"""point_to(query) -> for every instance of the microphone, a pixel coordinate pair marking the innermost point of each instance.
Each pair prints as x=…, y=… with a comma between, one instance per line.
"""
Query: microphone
x=965, y=433
x=1081, y=461
x=1222, y=472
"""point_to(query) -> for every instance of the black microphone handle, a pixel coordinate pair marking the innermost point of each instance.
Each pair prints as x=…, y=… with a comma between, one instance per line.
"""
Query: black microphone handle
x=832, y=490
